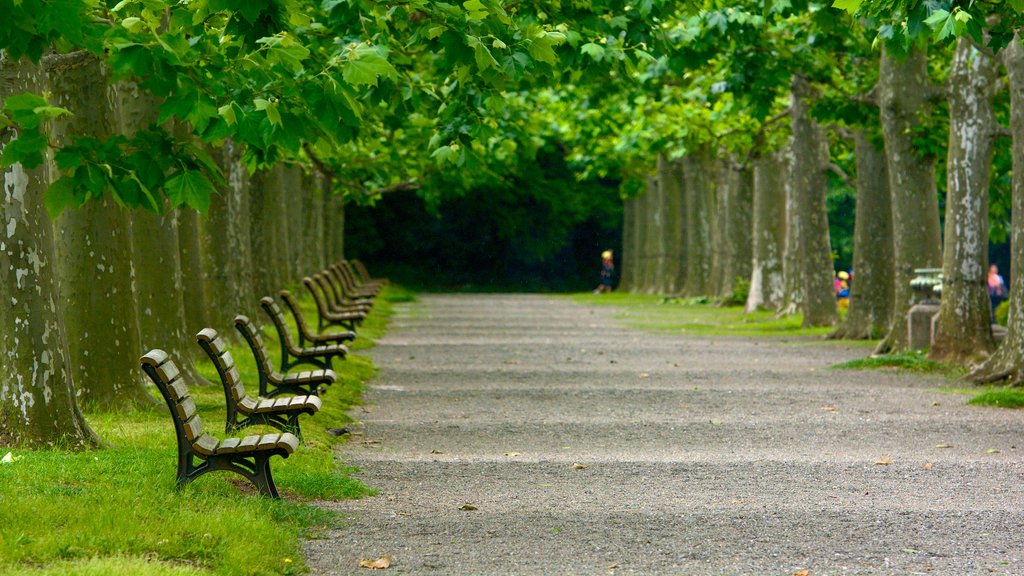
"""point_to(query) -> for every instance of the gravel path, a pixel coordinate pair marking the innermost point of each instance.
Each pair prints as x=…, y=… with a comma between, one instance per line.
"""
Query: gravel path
x=532, y=435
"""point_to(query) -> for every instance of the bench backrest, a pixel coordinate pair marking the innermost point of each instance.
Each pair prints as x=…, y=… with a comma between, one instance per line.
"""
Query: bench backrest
x=217, y=350
x=277, y=317
x=325, y=286
x=334, y=283
x=187, y=425
x=318, y=297
x=251, y=334
x=363, y=272
x=346, y=272
x=293, y=306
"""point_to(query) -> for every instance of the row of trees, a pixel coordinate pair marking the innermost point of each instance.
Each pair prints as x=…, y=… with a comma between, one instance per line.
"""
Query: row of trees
x=873, y=107
x=91, y=290
x=269, y=116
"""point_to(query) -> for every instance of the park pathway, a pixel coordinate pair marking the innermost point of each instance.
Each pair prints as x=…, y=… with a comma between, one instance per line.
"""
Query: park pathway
x=517, y=434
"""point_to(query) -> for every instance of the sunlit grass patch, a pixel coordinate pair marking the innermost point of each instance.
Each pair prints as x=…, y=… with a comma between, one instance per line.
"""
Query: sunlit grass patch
x=1000, y=398
x=699, y=316
x=117, y=511
x=913, y=361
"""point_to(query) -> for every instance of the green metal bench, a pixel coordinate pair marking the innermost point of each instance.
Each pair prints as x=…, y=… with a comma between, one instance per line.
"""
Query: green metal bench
x=335, y=297
x=243, y=410
x=248, y=456
x=273, y=383
x=353, y=287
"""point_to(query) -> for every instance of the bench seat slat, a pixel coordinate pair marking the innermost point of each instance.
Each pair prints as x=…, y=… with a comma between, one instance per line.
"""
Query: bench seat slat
x=268, y=441
x=206, y=445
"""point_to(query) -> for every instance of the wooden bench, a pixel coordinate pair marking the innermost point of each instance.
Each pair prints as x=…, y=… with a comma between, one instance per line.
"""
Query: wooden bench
x=364, y=274
x=353, y=288
x=244, y=410
x=248, y=456
x=273, y=383
x=342, y=292
x=325, y=316
x=305, y=333
x=355, y=285
x=335, y=296
x=320, y=355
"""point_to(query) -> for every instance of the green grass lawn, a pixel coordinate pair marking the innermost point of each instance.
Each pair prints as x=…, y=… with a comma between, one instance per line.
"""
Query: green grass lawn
x=698, y=317
x=115, y=511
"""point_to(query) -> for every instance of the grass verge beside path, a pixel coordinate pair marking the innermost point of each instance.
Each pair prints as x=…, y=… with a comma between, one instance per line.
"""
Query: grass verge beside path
x=697, y=317
x=680, y=316
x=115, y=511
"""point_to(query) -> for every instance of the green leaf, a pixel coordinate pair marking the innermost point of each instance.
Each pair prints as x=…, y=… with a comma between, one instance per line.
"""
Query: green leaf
x=59, y=196
x=190, y=188
x=365, y=64
x=27, y=149
x=850, y=6
x=444, y=154
x=476, y=9
x=937, y=17
x=595, y=51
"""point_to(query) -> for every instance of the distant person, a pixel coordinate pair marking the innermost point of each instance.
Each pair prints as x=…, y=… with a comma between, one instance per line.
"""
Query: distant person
x=841, y=284
x=996, y=288
x=607, y=272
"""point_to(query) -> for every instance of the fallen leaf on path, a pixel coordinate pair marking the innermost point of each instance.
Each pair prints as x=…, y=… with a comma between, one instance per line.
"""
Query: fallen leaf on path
x=436, y=452
x=511, y=361
x=382, y=563
x=936, y=403
x=716, y=422
x=578, y=466
x=883, y=462
x=828, y=408
x=943, y=446
x=991, y=451
x=512, y=454
x=467, y=507
x=927, y=466
x=802, y=573
x=371, y=441
x=644, y=374
x=613, y=566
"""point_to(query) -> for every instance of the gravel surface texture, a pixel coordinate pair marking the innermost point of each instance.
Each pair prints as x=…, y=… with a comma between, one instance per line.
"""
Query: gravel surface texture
x=512, y=434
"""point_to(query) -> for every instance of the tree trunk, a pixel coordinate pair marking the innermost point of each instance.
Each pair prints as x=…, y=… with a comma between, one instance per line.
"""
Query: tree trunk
x=197, y=314
x=627, y=259
x=767, y=282
x=735, y=204
x=903, y=89
x=266, y=231
x=672, y=232
x=697, y=183
x=648, y=237
x=225, y=236
x=291, y=211
x=871, y=289
x=964, y=331
x=158, y=283
x=792, y=260
x=37, y=398
x=809, y=150
x=313, y=223
x=1008, y=361
x=334, y=224
x=94, y=248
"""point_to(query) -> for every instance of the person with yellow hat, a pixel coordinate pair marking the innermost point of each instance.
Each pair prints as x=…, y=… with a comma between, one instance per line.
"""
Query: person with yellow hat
x=607, y=272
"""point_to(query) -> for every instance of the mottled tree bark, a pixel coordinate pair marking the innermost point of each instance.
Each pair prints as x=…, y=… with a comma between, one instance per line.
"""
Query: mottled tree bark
x=647, y=238
x=903, y=90
x=37, y=397
x=808, y=161
x=291, y=213
x=735, y=204
x=158, y=284
x=792, y=261
x=767, y=283
x=628, y=259
x=1008, y=361
x=94, y=248
x=193, y=282
x=697, y=183
x=225, y=252
x=266, y=231
x=334, y=224
x=964, y=330
x=871, y=291
x=672, y=230
x=314, y=241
